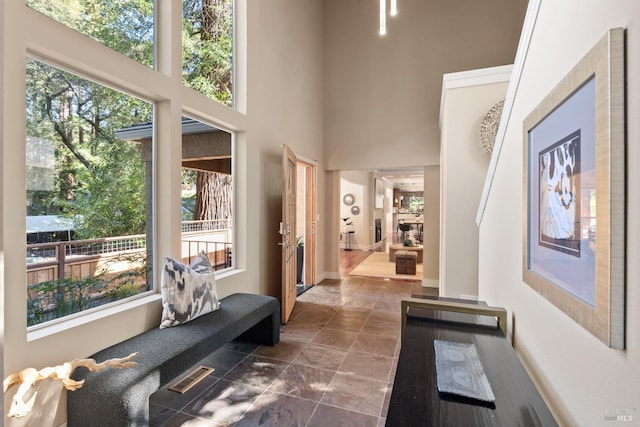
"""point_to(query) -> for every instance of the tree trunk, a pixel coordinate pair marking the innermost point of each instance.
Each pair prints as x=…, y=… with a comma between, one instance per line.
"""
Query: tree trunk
x=213, y=196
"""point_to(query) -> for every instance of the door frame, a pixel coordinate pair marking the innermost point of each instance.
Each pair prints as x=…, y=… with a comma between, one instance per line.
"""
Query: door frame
x=310, y=218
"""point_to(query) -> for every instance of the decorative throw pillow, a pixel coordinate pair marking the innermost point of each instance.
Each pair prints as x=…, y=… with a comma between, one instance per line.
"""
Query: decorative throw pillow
x=187, y=291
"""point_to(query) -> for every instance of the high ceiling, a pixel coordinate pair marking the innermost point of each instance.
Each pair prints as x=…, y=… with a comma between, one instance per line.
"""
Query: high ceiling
x=382, y=93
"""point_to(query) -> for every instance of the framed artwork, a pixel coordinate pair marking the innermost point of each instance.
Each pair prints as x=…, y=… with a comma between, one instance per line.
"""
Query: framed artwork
x=574, y=188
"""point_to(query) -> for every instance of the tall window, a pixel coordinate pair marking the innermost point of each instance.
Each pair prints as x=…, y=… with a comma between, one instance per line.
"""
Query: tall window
x=207, y=48
x=88, y=195
x=125, y=26
x=207, y=193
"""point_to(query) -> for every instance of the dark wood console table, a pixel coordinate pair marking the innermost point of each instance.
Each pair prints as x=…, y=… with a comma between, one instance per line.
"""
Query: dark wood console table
x=415, y=400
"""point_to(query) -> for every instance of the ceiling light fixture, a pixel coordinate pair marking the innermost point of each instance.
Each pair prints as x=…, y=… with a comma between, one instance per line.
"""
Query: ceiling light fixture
x=393, y=11
x=383, y=17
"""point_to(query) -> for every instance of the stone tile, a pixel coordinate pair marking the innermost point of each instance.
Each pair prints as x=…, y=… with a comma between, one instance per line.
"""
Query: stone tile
x=273, y=409
x=358, y=300
x=336, y=417
x=348, y=326
x=256, y=371
x=241, y=346
x=351, y=284
x=299, y=332
x=302, y=381
x=391, y=304
x=353, y=324
x=286, y=350
x=379, y=344
x=224, y=403
x=335, y=338
x=313, y=317
x=377, y=286
x=356, y=393
x=368, y=365
x=384, y=323
x=321, y=357
x=176, y=401
x=382, y=328
x=387, y=400
x=223, y=360
x=158, y=415
x=352, y=313
x=385, y=317
x=180, y=419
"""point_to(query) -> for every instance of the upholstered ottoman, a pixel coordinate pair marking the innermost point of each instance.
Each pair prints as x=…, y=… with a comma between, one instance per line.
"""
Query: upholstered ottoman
x=406, y=262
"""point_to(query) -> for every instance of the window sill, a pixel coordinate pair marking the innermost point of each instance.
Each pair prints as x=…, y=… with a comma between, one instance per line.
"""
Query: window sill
x=43, y=331
x=38, y=332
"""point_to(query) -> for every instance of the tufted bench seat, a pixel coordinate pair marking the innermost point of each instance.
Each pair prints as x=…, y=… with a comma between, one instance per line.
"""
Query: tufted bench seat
x=120, y=397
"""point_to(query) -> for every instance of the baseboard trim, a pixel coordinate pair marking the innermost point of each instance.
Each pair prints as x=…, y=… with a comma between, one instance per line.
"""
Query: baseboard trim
x=430, y=283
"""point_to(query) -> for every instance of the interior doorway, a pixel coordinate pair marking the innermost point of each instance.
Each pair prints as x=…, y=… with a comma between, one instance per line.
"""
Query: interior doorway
x=306, y=224
x=372, y=204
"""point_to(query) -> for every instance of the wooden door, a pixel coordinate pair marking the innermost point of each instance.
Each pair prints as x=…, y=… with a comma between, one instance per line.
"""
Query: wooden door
x=288, y=232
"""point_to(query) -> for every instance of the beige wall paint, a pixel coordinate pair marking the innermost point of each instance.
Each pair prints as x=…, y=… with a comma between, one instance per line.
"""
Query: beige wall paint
x=431, y=226
x=463, y=166
x=285, y=96
x=581, y=378
x=382, y=94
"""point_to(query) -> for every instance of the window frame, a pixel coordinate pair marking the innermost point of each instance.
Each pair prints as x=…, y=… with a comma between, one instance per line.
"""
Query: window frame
x=154, y=287
x=63, y=47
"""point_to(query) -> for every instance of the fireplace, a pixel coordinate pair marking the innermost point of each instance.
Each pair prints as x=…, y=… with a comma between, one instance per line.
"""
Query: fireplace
x=378, y=229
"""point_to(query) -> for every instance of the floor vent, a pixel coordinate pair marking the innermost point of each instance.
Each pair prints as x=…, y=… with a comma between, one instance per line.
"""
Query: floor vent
x=185, y=383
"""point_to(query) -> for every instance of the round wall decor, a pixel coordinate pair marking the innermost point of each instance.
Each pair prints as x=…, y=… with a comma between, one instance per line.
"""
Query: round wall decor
x=489, y=127
x=355, y=210
x=348, y=199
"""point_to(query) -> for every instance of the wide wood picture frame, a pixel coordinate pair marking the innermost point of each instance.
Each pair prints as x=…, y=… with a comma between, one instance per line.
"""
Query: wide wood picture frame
x=574, y=193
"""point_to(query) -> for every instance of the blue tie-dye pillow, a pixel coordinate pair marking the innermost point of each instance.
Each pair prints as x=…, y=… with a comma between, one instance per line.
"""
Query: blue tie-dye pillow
x=187, y=291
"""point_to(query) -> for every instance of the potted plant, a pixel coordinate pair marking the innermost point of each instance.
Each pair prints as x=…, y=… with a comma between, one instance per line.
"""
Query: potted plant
x=300, y=256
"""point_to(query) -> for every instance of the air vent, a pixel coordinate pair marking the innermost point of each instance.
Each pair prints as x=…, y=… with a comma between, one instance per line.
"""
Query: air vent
x=185, y=383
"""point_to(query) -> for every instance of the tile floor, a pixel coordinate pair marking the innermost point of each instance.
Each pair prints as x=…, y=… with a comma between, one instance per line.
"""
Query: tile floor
x=334, y=365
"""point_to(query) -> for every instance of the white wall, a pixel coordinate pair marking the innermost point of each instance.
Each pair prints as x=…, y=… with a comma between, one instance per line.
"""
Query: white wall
x=466, y=98
x=581, y=378
x=357, y=183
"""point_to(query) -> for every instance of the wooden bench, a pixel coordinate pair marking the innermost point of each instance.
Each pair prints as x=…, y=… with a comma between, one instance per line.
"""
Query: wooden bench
x=115, y=397
x=415, y=398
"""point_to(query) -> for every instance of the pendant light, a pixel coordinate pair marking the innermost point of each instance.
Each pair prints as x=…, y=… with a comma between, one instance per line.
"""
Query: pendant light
x=393, y=11
x=383, y=17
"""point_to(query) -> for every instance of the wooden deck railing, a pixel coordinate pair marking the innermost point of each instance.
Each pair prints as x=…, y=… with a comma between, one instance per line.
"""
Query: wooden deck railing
x=81, y=258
